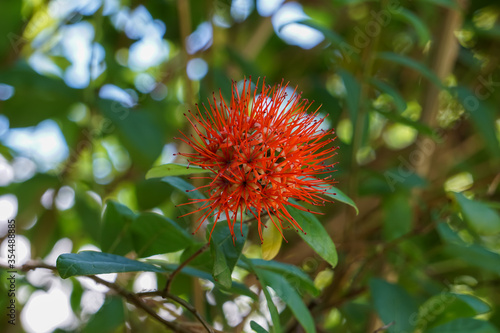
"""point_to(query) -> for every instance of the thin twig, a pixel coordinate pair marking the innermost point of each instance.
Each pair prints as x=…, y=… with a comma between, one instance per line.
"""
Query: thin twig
x=166, y=291
x=182, y=302
x=130, y=297
x=383, y=328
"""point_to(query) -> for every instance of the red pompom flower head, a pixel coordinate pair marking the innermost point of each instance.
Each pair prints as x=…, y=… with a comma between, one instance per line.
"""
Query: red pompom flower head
x=262, y=150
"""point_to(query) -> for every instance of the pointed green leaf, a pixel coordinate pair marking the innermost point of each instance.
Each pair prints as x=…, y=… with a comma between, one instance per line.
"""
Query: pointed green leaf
x=294, y=275
x=257, y=328
x=173, y=169
x=398, y=216
x=315, y=234
x=465, y=325
x=393, y=304
x=411, y=63
x=91, y=262
x=155, y=234
x=353, y=93
x=338, y=195
x=115, y=232
x=184, y=187
x=109, y=318
x=481, y=218
x=225, y=253
x=420, y=27
x=275, y=316
x=292, y=299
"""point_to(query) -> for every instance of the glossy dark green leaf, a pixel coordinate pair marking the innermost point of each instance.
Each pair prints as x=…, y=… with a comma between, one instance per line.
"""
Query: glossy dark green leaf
x=294, y=275
x=109, y=318
x=225, y=252
x=116, y=223
x=152, y=193
x=465, y=325
x=446, y=306
x=275, y=316
x=184, y=187
x=398, y=216
x=155, y=234
x=481, y=218
x=91, y=263
x=290, y=296
x=315, y=235
x=173, y=169
x=338, y=195
x=393, y=304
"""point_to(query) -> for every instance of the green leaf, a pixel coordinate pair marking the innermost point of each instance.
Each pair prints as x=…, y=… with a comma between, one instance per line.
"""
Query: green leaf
x=173, y=169
x=315, y=235
x=138, y=131
x=152, y=193
x=465, y=325
x=225, y=253
x=420, y=127
x=399, y=101
x=109, y=318
x=89, y=211
x=275, y=316
x=353, y=93
x=91, y=262
x=408, y=62
x=155, y=234
x=338, y=195
x=398, y=216
x=446, y=307
x=115, y=233
x=481, y=218
x=184, y=187
x=257, y=328
x=294, y=275
x=290, y=296
x=271, y=240
x=420, y=27
x=473, y=254
x=236, y=287
x=482, y=116
x=393, y=304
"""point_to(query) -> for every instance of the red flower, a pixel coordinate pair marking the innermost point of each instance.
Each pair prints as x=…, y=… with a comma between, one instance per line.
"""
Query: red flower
x=262, y=149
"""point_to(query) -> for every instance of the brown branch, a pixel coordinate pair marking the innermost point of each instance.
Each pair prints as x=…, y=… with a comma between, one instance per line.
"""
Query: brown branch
x=130, y=297
x=182, y=302
x=166, y=291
